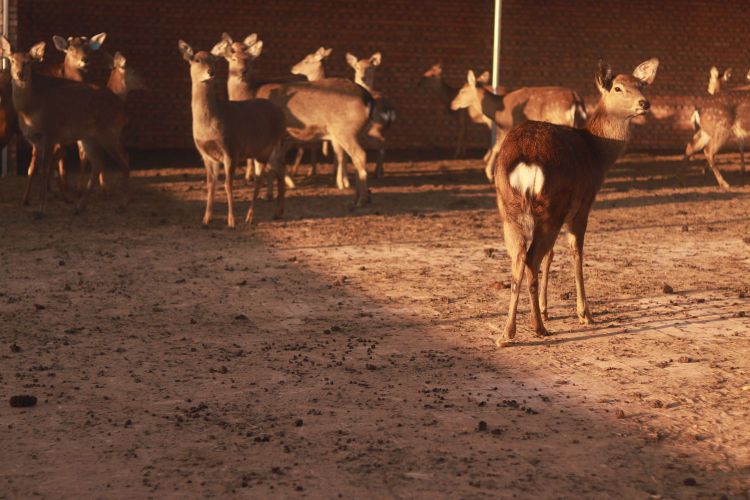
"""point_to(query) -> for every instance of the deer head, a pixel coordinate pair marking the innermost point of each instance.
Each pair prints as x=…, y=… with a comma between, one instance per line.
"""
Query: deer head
x=468, y=95
x=202, y=64
x=622, y=95
x=364, y=69
x=239, y=55
x=312, y=65
x=20, y=62
x=78, y=49
x=123, y=78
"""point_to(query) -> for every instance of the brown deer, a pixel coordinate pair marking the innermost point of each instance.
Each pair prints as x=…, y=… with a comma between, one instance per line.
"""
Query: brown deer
x=55, y=111
x=312, y=68
x=79, y=53
x=558, y=105
x=8, y=117
x=383, y=115
x=547, y=176
x=226, y=132
x=332, y=109
x=724, y=114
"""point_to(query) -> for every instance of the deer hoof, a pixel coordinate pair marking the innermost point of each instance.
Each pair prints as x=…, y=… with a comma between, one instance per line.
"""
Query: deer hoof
x=586, y=318
x=545, y=316
x=504, y=342
x=542, y=332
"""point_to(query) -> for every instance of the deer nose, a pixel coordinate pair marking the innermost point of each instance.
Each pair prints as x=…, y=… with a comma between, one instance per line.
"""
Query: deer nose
x=644, y=104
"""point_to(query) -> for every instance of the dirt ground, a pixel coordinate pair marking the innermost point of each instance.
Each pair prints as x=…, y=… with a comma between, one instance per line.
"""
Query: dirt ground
x=342, y=353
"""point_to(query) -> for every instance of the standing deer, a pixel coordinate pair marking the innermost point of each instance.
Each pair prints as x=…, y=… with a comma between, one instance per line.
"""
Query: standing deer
x=332, y=109
x=558, y=105
x=79, y=52
x=383, y=115
x=226, y=132
x=55, y=111
x=311, y=67
x=547, y=177
x=433, y=80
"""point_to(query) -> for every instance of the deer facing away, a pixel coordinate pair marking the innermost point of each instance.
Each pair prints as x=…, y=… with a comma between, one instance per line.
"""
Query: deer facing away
x=558, y=105
x=55, y=111
x=226, y=132
x=547, y=177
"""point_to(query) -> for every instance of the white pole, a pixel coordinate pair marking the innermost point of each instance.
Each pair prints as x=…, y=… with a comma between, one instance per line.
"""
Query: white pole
x=4, y=166
x=496, y=57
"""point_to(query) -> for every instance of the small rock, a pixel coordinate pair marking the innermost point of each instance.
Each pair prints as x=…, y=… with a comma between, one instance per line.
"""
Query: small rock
x=667, y=289
x=690, y=481
x=22, y=401
x=299, y=423
x=482, y=427
x=241, y=317
x=15, y=348
x=685, y=359
x=685, y=228
x=620, y=413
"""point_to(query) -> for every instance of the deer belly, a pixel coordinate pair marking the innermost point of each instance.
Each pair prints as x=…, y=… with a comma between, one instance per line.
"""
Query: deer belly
x=307, y=133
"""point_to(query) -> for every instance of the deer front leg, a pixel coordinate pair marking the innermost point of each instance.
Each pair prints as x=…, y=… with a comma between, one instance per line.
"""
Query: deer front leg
x=229, y=163
x=30, y=173
x=575, y=239
x=546, y=264
x=342, y=181
x=212, y=172
x=710, y=152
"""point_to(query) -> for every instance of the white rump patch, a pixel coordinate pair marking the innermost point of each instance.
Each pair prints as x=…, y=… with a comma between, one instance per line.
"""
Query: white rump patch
x=527, y=179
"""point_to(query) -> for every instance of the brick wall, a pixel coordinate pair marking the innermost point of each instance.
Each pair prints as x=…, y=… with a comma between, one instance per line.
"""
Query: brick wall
x=543, y=42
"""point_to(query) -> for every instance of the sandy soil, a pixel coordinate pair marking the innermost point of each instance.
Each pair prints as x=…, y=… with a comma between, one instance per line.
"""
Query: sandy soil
x=350, y=353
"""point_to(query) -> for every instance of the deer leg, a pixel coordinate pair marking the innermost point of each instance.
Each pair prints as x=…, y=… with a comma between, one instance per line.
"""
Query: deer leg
x=249, y=218
x=212, y=173
x=340, y=159
x=229, y=164
x=313, y=160
x=62, y=176
x=379, y=169
x=279, y=167
x=516, y=247
x=297, y=160
x=359, y=159
x=115, y=149
x=30, y=178
x=248, y=171
x=46, y=162
x=575, y=239
x=95, y=154
x=546, y=264
x=710, y=152
x=534, y=258
x=489, y=169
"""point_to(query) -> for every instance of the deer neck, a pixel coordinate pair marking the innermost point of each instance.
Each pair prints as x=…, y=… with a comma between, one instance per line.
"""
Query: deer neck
x=318, y=74
x=205, y=103
x=23, y=95
x=71, y=73
x=361, y=82
x=610, y=135
x=490, y=103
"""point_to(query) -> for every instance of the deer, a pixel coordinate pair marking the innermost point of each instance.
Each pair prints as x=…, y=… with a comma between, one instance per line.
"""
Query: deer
x=716, y=79
x=55, y=111
x=558, y=105
x=8, y=117
x=384, y=115
x=547, y=176
x=311, y=67
x=334, y=109
x=433, y=80
x=79, y=52
x=226, y=131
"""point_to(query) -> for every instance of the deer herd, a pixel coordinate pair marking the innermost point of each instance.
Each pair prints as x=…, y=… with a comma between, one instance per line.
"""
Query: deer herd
x=547, y=164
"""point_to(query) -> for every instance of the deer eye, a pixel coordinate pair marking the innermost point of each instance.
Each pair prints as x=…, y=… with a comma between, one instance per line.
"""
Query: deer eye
x=618, y=89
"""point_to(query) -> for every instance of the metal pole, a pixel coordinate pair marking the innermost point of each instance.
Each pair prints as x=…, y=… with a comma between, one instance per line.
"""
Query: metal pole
x=496, y=57
x=4, y=166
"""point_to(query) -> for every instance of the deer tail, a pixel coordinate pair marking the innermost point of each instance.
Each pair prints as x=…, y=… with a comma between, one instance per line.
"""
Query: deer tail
x=695, y=119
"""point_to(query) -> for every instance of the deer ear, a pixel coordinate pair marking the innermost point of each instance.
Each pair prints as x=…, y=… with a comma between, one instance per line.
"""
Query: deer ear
x=327, y=52
x=119, y=60
x=37, y=51
x=376, y=59
x=97, y=41
x=646, y=71
x=351, y=59
x=250, y=39
x=220, y=49
x=484, y=77
x=61, y=44
x=225, y=37
x=5, y=48
x=186, y=51
x=256, y=49
x=603, y=77
x=471, y=79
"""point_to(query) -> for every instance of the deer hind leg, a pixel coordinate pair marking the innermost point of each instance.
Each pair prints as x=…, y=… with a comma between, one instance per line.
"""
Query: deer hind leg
x=116, y=150
x=710, y=151
x=342, y=180
x=516, y=246
x=742, y=155
x=489, y=169
x=314, y=159
x=359, y=159
x=250, y=217
x=534, y=257
x=279, y=168
x=62, y=176
x=575, y=240
x=297, y=160
x=45, y=160
x=249, y=171
x=95, y=154
x=546, y=264
x=460, y=150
